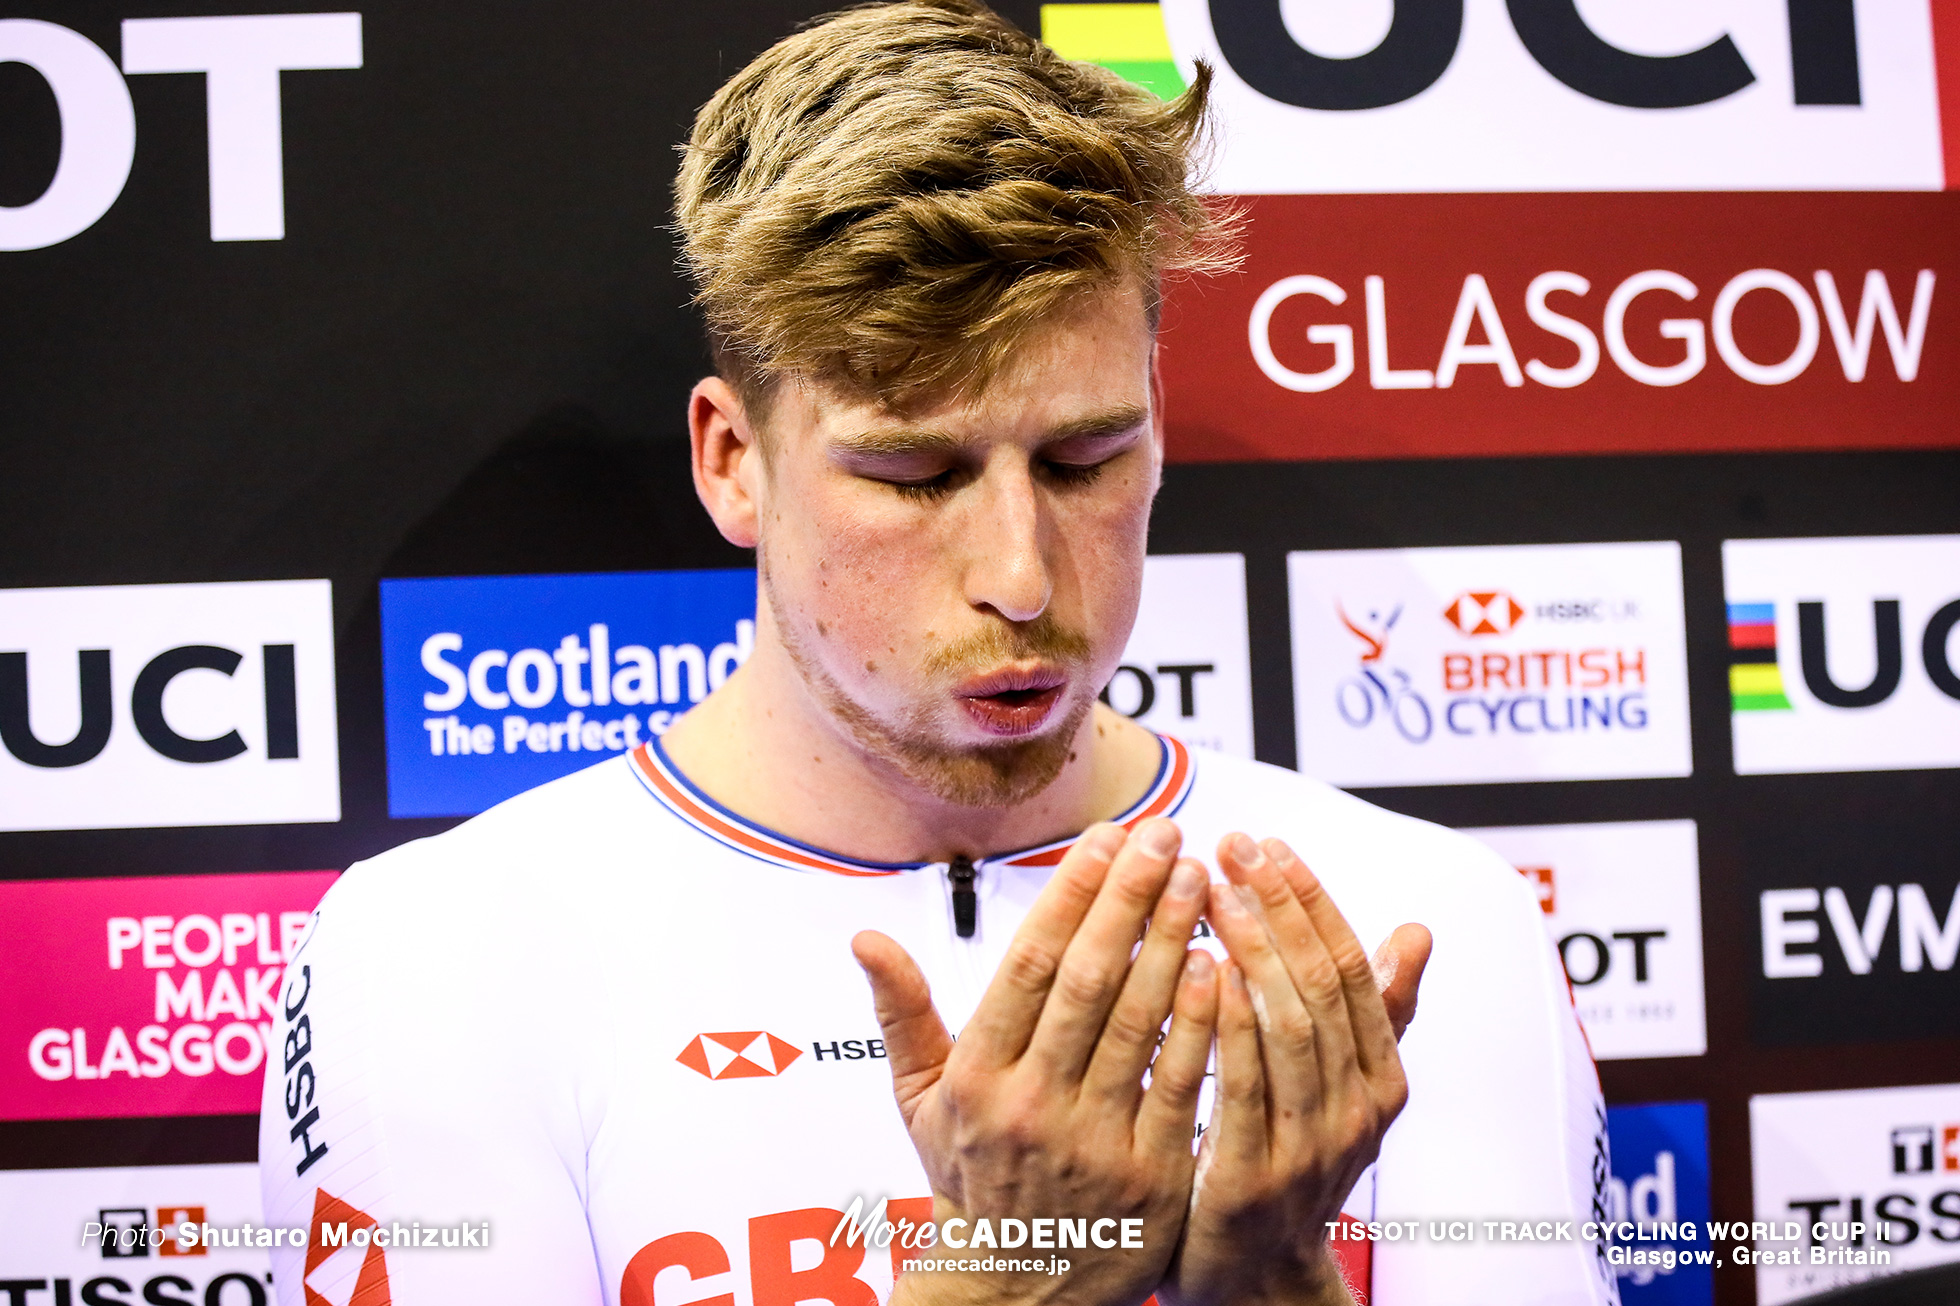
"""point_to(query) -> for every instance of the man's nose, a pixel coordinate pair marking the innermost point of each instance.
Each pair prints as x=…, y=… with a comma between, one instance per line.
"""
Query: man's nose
x=1007, y=569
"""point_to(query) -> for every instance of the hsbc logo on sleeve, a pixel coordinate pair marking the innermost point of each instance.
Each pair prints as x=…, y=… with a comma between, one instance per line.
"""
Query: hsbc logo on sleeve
x=745, y=1054
x=1852, y=1177
x=156, y=705
x=1622, y=901
x=1843, y=654
x=1481, y=95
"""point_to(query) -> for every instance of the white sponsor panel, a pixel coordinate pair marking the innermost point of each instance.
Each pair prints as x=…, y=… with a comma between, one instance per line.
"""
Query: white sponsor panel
x=1186, y=670
x=153, y=705
x=1603, y=95
x=1489, y=664
x=1866, y=674
x=1830, y=1168
x=1623, y=901
x=56, y=1241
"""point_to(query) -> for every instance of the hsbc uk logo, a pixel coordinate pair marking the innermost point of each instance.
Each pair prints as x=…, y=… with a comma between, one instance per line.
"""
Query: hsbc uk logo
x=1489, y=612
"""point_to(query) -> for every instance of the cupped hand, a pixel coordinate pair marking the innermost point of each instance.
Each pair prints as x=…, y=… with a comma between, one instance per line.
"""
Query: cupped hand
x=1041, y=1110
x=1308, y=1080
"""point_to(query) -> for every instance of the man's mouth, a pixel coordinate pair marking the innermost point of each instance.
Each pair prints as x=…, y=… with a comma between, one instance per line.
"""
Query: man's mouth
x=1014, y=701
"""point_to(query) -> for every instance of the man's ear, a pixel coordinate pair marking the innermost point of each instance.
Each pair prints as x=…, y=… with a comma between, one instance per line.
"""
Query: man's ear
x=727, y=459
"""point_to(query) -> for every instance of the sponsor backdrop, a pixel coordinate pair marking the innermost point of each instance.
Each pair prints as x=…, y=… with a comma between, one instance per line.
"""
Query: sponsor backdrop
x=1576, y=460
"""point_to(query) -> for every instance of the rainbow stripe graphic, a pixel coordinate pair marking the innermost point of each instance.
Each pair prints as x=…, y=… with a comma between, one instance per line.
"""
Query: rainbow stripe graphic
x=1127, y=39
x=1755, y=681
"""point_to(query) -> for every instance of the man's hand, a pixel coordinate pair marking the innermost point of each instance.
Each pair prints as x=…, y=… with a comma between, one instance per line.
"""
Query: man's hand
x=1309, y=1079
x=1039, y=1111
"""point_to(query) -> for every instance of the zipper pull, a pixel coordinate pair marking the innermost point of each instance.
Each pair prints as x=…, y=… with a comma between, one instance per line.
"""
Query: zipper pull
x=966, y=904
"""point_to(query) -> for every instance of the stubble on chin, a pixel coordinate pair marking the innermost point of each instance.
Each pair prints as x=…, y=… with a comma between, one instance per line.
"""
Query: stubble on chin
x=986, y=776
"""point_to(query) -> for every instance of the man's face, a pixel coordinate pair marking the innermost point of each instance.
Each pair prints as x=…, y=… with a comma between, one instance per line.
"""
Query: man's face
x=955, y=585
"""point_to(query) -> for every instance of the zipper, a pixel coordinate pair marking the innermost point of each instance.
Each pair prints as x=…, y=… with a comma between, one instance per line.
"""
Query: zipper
x=966, y=903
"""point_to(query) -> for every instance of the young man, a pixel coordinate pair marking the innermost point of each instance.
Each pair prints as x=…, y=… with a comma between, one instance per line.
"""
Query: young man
x=622, y=1021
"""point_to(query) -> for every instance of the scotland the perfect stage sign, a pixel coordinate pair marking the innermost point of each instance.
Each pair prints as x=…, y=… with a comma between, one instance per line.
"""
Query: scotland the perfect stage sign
x=496, y=684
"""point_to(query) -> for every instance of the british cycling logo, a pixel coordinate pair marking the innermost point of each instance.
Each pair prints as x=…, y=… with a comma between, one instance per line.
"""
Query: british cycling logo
x=1378, y=689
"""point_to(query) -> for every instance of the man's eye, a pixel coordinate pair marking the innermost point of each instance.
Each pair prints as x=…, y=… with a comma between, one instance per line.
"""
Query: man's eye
x=1074, y=473
x=932, y=488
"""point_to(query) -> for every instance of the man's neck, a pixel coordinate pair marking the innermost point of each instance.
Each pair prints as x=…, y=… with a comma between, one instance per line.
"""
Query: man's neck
x=764, y=748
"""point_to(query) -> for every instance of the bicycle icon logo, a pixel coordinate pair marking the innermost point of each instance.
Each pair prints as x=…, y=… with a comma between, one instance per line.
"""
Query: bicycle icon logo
x=1362, y=697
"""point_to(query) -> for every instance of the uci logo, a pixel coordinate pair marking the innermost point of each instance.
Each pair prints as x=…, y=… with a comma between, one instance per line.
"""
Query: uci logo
x=1889, y=643
x=146, y=710
x=1423, y=35
x=124, y=706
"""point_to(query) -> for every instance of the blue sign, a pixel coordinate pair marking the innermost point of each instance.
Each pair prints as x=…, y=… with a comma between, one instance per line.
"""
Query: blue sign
x=496, y=684
x=1660, y=1177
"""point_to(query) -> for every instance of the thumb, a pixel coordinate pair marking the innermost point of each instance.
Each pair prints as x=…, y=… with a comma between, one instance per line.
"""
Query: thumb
x=916, y=1041
x=1399, y=964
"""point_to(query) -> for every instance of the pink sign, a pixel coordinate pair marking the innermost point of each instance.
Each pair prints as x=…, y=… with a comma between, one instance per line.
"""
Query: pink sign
x=144, y=997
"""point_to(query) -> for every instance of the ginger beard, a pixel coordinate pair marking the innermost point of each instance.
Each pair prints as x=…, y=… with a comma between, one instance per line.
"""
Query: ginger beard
x=914, y=744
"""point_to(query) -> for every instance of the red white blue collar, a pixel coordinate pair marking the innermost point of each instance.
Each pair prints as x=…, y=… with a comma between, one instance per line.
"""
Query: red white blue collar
x=679, y=795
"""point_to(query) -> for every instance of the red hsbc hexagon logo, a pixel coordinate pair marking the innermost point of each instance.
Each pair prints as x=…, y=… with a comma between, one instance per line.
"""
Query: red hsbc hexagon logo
x=744, y=1054
x=1487, y=612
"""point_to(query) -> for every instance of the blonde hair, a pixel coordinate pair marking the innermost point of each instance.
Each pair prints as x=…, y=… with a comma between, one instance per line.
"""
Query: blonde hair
x=890, y=198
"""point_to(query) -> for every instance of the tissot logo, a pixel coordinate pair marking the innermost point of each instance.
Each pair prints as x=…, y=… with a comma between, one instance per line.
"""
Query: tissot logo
x=1843, y=653
x=1489, y=612
x=1915, y=1148
x=139, y=705
x=1622, y=901
x=745, y=1054
x=110, y=1234
x=1850, y=1174
x=127, y=1231
x=241, y=59
x=1187, y=669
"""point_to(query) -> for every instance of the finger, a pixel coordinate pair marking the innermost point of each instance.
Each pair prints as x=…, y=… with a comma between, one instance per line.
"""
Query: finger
x=1170, y=1106
x=1287, y=1035
x=1302, y=950
x=1372, y=1033
x=916, y=1041
x=1097, y=959
x=1136, y=1022
x=1241, y=1115
x=1005, y=1018
x=1398, y=965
